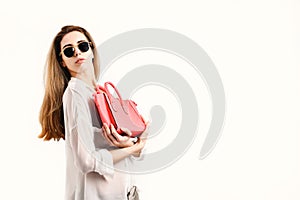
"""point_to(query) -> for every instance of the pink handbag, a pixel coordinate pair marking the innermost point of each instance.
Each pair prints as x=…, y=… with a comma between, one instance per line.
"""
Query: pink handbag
x=121, y=113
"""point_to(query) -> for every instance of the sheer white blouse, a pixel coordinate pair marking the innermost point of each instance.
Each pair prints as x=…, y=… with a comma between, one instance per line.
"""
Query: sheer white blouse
x=90, y=171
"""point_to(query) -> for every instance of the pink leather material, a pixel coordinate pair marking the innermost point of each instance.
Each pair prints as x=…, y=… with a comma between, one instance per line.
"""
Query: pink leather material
x=121, y=113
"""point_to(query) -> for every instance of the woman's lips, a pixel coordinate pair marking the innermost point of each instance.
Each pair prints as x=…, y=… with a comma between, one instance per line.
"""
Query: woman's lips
x=80, y=61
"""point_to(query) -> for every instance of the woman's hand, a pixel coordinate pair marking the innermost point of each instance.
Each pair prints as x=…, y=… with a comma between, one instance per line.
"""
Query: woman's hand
x=128, y=146
x=141, y=142
x=115, y=139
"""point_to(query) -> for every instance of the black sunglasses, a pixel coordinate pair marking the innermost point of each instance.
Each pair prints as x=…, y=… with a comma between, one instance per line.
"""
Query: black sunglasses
x=69, y=51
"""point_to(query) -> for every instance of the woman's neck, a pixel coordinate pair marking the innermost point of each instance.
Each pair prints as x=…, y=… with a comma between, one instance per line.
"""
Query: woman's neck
x=88, y=79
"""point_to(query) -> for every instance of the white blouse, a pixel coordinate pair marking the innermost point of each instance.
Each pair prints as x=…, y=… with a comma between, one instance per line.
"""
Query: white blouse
x=90, y=171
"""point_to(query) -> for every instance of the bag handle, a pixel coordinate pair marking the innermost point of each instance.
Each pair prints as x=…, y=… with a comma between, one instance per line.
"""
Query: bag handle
x=100, y=89
x=110, y=97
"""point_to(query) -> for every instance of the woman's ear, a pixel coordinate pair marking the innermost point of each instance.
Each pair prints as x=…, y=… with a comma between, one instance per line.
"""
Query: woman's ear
x=63, y=63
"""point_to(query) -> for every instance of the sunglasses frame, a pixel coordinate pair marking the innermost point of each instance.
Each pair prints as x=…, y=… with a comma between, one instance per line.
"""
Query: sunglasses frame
x=75, y=46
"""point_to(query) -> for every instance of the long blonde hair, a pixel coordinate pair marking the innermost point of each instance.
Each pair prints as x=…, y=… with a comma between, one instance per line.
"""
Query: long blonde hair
x=56, y=78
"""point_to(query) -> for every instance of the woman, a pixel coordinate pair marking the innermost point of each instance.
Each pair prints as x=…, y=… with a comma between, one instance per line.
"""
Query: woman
x=68, y=111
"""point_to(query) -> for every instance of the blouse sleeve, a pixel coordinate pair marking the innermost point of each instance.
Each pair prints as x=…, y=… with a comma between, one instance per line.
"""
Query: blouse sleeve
x=87, y=158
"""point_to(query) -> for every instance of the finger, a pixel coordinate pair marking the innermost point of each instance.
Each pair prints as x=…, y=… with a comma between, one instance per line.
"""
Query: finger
x=126, y=131
x=106, y=128
x=112, y=139
x=115, y=134
x=142, y=142
x=147, y=126
x=144, y=120
x=106, y=131
x=109, y=134
x=105, y=134
x=145, y=133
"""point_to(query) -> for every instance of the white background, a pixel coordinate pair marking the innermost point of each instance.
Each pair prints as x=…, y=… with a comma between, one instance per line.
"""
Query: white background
x=255, y=47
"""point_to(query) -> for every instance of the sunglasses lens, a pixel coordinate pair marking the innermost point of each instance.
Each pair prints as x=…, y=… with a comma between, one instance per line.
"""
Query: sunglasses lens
x=83, y=47
x=69, y=52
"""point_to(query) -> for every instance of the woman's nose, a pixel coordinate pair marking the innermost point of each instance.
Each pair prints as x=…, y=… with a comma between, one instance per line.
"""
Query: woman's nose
x=77, y=51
